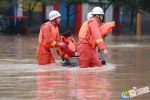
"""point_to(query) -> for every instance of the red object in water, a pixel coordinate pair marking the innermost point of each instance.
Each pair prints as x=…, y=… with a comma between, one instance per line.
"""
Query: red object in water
x=25, y=30
x=18, y=17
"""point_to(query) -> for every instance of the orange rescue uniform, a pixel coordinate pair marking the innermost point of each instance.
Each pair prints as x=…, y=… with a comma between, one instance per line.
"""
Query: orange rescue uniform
x=106, y=28
x=68, y=50
x=48, y=38
x=89, y=34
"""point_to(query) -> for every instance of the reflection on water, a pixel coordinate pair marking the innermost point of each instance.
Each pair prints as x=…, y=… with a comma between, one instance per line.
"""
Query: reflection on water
x=52, y=81
x=72, y=83
x=22, y=79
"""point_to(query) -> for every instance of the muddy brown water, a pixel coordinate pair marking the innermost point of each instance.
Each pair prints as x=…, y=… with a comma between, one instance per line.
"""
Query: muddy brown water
x=21, y=78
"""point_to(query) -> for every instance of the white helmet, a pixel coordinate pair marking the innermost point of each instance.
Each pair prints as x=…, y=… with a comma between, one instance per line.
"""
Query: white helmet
x=89, y=15
x=54, y=14
x=97, y=10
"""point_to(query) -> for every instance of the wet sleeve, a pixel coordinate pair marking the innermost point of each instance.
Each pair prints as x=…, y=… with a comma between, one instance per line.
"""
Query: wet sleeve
x=58, y=39
x=106, y=28
x=94, y=26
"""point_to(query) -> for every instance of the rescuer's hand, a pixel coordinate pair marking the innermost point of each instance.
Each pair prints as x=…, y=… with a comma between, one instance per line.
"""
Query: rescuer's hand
x=62, y=44
x=105, y=52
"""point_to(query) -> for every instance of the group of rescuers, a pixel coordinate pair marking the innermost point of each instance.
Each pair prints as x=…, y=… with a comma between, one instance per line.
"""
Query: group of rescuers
x=91, y=35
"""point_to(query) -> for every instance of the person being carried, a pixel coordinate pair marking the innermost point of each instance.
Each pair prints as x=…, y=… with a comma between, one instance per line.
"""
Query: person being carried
x=69, y=50
x=49, y=38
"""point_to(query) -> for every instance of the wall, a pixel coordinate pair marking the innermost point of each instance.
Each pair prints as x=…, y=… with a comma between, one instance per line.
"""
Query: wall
x=37, y=19
x=144, y=27
x=62, y=10
x=87, y=7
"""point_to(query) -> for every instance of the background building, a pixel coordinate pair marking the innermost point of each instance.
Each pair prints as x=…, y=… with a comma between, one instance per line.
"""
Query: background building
x=40, y=15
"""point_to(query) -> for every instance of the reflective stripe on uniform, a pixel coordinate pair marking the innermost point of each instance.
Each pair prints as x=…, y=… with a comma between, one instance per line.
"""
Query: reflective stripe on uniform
x=53, y=43
x=56, y=48
x=99, y=40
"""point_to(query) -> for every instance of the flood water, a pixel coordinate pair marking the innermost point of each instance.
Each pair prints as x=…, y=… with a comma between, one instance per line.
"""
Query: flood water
x=21, y=78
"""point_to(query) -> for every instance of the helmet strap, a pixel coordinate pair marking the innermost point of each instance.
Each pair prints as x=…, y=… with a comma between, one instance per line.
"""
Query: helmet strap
x=99, y=18
x=56, y=22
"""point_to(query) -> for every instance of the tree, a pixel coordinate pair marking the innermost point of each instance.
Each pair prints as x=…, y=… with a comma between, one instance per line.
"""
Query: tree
x=6, y=4
x=145, y=4
x=31, y=4
x=105, y=4
x=132, y=6
x=69, y=3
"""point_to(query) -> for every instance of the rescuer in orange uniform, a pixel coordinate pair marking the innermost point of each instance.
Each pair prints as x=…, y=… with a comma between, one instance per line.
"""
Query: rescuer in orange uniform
x=89, y=34
x=105, y=29
x=48, y=38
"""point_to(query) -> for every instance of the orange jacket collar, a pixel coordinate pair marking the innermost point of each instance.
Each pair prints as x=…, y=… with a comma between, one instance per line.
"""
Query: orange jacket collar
x=96, y=19
x=53, y=23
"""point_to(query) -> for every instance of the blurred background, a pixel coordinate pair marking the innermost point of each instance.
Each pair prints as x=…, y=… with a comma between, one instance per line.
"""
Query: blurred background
x=24, y=17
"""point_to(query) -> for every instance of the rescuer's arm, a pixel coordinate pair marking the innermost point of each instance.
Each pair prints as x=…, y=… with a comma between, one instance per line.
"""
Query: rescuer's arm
x=94, y=26
x=47, y=35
